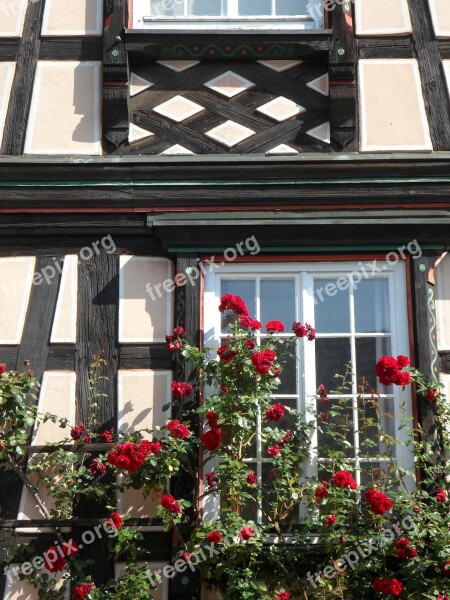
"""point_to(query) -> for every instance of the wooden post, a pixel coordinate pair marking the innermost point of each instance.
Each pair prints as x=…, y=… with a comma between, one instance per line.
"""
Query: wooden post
x=342, y=72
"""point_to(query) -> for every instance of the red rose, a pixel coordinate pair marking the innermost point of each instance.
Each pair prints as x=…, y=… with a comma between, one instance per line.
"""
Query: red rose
x=441, y=495
x=283, y=596
x=273, y=451
x=249, y=323
x=251, y=478
x=234, y=303
x=175, y=341
x=97, y=467
x=70, y=548
x=212, y=419
x=131, y=456
x=344, y=479
x=106, y=436
x=275, y=326
x=116, y=520
x=404, y=549
x=186, y=556
x=330, y=520
x=177, y=430
x=379, y=502
x=53, y=561
x=263, y=361
x=445, y=569
x=387, y=586
x=286, y=438
x=430, y=396
x=246, y=533
x=342, y=539
x=212, y=438
x=325, y=416
x=226, y=354
x=305, y=330
x=2, y=369
x=169, y=503
x=250, y=344
x=77, y=432
x=181, y=389
x=81, y=591
x=214, y=537
x=321, y=493
x=210, y=478
x=442, y=597
x=275, y=412
x=388, y=370
x=403, y=361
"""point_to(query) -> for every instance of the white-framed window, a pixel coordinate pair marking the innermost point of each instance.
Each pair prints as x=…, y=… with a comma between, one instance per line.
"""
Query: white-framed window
x=228, y=14
x=355, y=324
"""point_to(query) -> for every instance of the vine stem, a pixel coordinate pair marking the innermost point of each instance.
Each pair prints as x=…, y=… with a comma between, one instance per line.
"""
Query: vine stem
x=34, y=491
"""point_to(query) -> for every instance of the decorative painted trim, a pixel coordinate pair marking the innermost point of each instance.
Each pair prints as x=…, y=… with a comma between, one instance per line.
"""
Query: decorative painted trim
x=97, y=101
x=433, y=334
x=439, y=33
x=123, y=339
x=243, y=50
x=365, y=147
x=70, y=32
x=360, y=31
x=70, y=268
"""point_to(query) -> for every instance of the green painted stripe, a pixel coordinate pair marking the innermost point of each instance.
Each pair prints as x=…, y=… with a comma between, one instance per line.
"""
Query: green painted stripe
x=306, y=248
x=241, y=182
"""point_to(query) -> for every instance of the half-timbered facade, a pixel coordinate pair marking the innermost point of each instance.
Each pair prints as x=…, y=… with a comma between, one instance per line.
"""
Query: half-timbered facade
x=291, y=142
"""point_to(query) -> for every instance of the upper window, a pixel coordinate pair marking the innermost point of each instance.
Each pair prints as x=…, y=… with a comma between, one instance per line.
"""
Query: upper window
x=232, y=14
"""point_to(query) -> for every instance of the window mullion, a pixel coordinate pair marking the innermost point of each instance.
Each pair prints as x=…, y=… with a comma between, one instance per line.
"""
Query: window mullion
x=232, y=8
x=354, y=382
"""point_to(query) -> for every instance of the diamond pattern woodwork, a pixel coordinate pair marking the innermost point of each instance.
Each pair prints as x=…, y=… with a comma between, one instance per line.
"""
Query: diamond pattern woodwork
x=271, y=107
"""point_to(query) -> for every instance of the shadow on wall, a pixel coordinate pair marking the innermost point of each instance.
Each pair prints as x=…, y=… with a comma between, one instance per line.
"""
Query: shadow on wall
x=87, y=87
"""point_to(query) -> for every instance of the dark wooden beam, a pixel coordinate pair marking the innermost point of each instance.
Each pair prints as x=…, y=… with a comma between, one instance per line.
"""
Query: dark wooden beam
x=22, y=87
x=154, y=356
x=116, y=114
x=71, y=48
x=385, y=47
x=444, y=356
x=342, y=72
x=8, y=49
x=434, y=87
x=444, y=49
x=34, y=346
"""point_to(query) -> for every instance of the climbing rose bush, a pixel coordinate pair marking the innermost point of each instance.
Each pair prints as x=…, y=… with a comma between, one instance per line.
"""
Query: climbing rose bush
x=309, y=521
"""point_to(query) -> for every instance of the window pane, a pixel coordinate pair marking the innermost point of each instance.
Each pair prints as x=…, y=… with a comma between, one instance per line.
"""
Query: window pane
x=246, y=289
x=368, y=351
x=332, y=356
x=204, y=8
x=163, y=8
x=372, y=306
x=248, y=8
x=370, y=417
x=290, y=7
x=331, y=306
x=278, y=302
x=326, y=442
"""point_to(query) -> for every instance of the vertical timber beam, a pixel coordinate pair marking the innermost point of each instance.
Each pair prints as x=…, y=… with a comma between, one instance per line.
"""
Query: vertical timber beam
x=98, y=297
x=426, y=50
x=185, y=586
x=427, y=358
x=115, y=76
x=342, y=73
x=22, y=88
